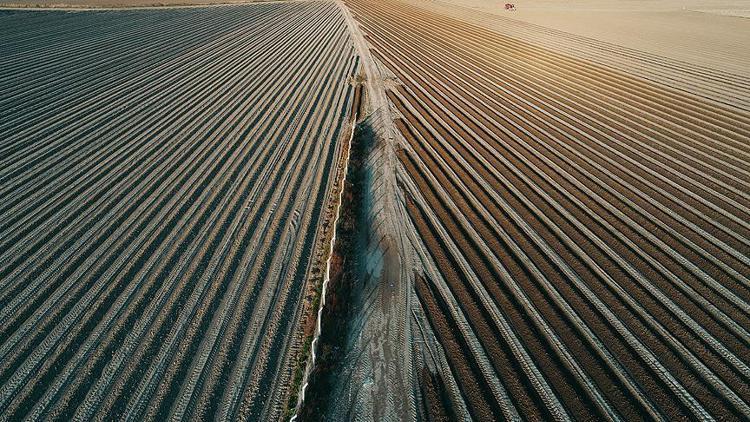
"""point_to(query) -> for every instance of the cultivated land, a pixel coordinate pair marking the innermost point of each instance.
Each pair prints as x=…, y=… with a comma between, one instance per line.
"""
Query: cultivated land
x=546, y=215
x=166, y=179
x=578, y=219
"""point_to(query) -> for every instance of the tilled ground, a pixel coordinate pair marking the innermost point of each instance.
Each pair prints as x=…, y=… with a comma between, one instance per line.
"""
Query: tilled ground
x=589, y=227
x=163, y=175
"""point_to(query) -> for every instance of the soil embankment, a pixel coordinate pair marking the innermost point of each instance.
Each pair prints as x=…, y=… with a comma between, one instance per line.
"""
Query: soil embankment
x=346, y=271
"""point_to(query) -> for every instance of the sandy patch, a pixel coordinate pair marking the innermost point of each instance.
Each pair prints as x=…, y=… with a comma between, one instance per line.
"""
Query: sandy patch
x=703, y=32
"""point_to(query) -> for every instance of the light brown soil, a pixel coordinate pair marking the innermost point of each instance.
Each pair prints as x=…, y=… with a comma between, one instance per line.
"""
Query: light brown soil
x=705, y=32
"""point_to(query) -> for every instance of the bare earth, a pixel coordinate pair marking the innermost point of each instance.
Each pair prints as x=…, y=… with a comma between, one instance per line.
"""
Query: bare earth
x=703, y=32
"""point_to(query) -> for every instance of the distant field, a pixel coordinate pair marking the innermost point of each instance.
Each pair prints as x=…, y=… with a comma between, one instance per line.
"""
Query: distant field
x=164, y=178
x=702, y=32
x=86, y=4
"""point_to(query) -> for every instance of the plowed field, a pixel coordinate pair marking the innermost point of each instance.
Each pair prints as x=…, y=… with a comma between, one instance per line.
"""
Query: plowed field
x=585, y=230
x=164, y=182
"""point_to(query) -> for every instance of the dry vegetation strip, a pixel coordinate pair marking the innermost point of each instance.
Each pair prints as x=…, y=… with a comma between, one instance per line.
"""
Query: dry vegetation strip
x=163, y=175
x=604, y=215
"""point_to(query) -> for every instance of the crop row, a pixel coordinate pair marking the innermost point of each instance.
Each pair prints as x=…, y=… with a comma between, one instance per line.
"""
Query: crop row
x=585, y=230
x=164, y=174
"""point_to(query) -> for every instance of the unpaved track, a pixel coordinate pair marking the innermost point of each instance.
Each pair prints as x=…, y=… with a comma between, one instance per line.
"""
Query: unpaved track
x=163, y=181
x=584, y=227
x=375, y=380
